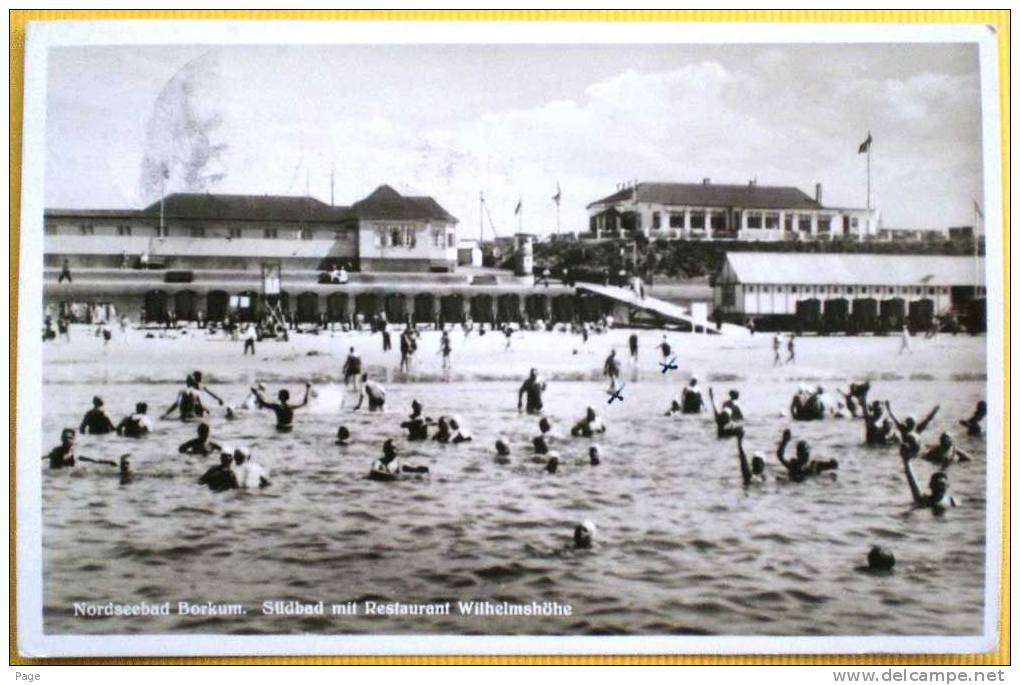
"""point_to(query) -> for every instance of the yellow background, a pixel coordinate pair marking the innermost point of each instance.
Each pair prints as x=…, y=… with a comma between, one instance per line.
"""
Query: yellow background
x=998, y=19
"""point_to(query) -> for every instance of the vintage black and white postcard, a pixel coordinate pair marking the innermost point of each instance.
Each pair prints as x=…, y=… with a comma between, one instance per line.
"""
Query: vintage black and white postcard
x=509, y=338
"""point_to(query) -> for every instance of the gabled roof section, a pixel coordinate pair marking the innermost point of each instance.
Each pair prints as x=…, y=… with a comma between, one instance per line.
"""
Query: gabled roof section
x=386, y=203
x=780, y=268
x=208, y=206
x=714, y=195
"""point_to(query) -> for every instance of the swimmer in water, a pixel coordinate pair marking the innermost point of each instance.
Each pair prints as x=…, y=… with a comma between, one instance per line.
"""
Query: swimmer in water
x=200, y=445
x=553, y=464
x=937, y=498
x=946, y=452
x=443, y=434
x=388, y=467
x=807, y=405
x=96, y=421
x=973, y=424
x=589, y=425
x=375, y=393
x=533, y=387
x=753, y=472
x=284, y=411
x=138, y=424
x=727, y=424
x=249, y=475
x=460, y=434
x=594, y=455
x=343, y=435
x=196, y=379
x=878, y=428
x=221, y=477
x=188, y=402
x=880, y=559
x=502, y=451
x=124, y=471
x=62, y=456
x=584, y=535
x=417, y=425
x=909, y=426
x=802, y=465
x=856, y=397
x=540, y=445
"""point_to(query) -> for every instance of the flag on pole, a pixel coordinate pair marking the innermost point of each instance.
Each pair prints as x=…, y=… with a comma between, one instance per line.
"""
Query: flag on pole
x=865, y=146
x=978, y=212
x=558, y=195
x=517, y=209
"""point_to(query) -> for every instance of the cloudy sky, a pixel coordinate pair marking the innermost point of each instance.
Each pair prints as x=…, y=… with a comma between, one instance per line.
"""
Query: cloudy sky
x=513, y=121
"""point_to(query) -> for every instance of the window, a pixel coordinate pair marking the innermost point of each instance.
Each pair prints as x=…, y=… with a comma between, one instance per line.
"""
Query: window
x=804, y=223
x=50, y=229
x=307, y=234
x=87, y=229
x=729, y=296
x=197, y=231
x=771, y=221
x=824, y=224
x=123, y=230
x=849, y=290
x=380, y=237
x=269, y=233
x=753, y=219
x=750, y=288
x=234, y=232
x=676, y=220
x=451, y=239
x=592, y=224
x=697, y=221
x=656, y=220
x=718, y=221
x=410, y=237
x=788, y=223
x=438, y=237
x=854, y=222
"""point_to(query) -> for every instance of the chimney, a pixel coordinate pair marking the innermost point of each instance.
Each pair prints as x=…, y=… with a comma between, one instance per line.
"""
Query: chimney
x=818, y=193
x=706, y=181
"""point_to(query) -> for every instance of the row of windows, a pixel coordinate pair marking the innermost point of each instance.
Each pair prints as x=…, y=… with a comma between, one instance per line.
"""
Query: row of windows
x=848, y=290
x=405, y=235
x=201, y=232
x=697, y=220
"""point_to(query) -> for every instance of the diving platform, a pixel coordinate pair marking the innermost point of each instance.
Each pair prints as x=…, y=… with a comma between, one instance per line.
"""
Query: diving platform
x=627, y=305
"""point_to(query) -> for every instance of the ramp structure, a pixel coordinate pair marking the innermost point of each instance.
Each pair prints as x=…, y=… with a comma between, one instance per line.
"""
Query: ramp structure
x=626, y=302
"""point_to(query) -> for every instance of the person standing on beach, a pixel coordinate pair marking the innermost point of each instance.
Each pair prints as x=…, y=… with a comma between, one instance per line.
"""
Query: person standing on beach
x=387, y=344
x=508, y=331
x=65, y=272
x=666, y=349
x=533, y=387
x=249, y=339
x=445, y=349
x=776, y=346
x=790, y=350
x=405, y=351
x=611, y=368
x=632, y=342
x=905, y=341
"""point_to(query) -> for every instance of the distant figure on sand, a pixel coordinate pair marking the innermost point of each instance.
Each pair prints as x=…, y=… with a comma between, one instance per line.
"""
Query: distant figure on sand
x=249, y=339
x=905, y=340
x=973, y=424
x=283, y=410
x=802, y=465
x=136, y=425
x=728, y=423
x=611, y=368
x=533, y=386
x=375, y=393
x=352, y=368
x=444, y=349
x=632, y=343
x=791, y=352
x=664, y=346
x=96, y=421
x=776, y=346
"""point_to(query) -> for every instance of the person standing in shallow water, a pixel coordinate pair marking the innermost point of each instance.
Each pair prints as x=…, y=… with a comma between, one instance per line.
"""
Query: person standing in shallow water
x=611, y=368
x=283, y=410
x=533, y=387
x=96, y=421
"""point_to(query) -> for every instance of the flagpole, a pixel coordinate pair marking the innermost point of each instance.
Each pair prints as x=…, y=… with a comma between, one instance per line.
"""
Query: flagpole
x=869, y=172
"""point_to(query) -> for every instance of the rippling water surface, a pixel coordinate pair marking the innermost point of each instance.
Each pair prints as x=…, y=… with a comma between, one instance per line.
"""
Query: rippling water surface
x=681, y=548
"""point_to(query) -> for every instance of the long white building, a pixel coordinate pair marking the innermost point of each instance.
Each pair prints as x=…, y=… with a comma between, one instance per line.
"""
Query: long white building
x=867, y=288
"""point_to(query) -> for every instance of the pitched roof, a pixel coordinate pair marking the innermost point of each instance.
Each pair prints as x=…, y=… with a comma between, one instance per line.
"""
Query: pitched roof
x=247, y=208
x=795, y=268
x=714, y=195
x=386, y=203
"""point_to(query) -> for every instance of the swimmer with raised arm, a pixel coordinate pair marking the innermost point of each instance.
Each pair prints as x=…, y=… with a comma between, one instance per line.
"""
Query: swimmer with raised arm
x=196, y=377
x=937, y=498
x=283, y=410
x=753, y=472
x=727, y=423
x=910, y=426
x=973, y=424
x=802, y=465
x=188, y=402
